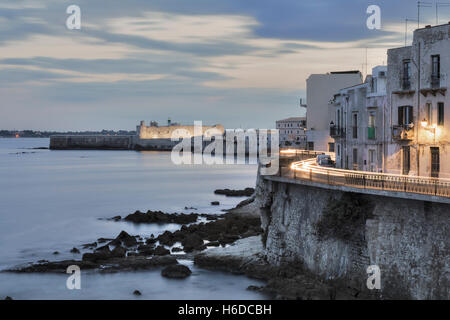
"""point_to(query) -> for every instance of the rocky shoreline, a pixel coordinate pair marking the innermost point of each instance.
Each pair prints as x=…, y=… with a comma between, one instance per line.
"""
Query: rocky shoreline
x=231, y=242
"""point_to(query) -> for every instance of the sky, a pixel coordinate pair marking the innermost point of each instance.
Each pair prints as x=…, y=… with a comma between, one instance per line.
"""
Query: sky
x=240, y=63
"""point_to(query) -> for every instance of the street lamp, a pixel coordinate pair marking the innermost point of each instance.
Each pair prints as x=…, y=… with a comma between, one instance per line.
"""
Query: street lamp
x=425, y=125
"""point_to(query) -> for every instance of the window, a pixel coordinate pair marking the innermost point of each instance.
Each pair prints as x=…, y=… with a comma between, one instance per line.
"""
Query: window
x=406, y=160
x=339, y=150
x=372, y=160
x=406, y=83
x=371, y=134
x=373, y=85
x=310, y=145
x=435, y=70
x=440, y=114
x=435, y=162
x=429, y=110
x=405, y=115
x=355, y=126
x=331, y=147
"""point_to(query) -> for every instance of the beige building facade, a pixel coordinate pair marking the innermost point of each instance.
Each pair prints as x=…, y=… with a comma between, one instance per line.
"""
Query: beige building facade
x=320, y=89
x=419, y=114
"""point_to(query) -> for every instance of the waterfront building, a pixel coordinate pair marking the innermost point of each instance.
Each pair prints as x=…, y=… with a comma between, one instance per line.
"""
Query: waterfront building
x=292, y=132
x=419, y=114
x=358, y=125
x=320, y=89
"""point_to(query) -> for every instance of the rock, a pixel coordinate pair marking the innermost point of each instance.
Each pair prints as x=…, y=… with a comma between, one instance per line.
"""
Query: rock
x=96, y=261
x=213, y=244
x=247, y=192
x=124, y=239
x=161, y=251
x=177, y=271
x=137, y=293
x=255, y=288
x=215, y=203
x=75, y=250
x=103, y=240
x=56, y=252
x=100, y=254
x=8, y=298
x=119, y=252
x=147, y=249
x=116, y=218
x=177, y=249
x=192, y=242
x=90, y=245
x=161, y=217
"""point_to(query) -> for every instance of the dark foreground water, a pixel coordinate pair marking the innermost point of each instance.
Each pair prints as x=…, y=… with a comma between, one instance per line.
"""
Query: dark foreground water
x=55, y=200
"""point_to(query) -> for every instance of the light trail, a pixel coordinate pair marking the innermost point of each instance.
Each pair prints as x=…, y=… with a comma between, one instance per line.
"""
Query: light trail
x=310, y=166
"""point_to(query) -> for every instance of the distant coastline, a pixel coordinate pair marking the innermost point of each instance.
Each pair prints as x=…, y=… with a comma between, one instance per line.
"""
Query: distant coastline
x=47, y=134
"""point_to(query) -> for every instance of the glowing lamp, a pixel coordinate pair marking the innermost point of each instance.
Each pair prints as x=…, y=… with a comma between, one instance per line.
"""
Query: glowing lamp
x=424, y=123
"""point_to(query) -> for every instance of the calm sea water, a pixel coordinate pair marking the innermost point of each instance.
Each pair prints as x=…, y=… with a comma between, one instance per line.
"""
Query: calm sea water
x=55, y=200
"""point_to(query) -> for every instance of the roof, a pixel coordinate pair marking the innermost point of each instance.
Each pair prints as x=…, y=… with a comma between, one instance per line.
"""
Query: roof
x=293, y=119
x=345, y=72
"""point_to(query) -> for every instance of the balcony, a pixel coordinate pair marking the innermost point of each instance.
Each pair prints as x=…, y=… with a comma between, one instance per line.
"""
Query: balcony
x=406, y=84
x=435, y=81
x=337, y=132
x=403, y=132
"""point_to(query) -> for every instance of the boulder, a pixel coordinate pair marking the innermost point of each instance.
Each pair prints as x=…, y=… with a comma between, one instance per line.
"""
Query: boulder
x=192, y=242
x=137, y=293
x=161, y=251
x=177, y=271
x=124, y=239
x=75, y=250
x=215, y=203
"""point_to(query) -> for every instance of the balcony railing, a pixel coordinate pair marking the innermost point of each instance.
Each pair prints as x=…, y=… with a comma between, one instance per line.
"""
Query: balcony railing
x=337, y=132
x=306, y=170
x=403, y=132
x=435, y=81
x=406, y=83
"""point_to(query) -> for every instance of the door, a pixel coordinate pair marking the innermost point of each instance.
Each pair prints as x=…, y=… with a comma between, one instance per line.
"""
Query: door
x=406, y=160
x=435, y=165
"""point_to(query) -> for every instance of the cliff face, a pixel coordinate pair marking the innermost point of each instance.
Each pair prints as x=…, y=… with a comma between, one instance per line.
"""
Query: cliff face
x=338, y=235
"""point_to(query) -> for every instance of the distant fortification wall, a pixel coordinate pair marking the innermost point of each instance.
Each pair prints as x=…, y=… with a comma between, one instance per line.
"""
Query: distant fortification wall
x=96, y=142
x=165, y=132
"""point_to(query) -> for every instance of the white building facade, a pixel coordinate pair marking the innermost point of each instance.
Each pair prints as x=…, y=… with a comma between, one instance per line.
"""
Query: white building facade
x=292, y=132
x=358, y=126
x=320, y=89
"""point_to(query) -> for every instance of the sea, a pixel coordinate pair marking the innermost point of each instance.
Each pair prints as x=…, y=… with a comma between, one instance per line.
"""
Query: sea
x=52, y=201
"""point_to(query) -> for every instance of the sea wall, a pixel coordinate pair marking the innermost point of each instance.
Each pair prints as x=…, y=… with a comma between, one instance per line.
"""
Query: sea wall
x=337, y=235
x=97, y=142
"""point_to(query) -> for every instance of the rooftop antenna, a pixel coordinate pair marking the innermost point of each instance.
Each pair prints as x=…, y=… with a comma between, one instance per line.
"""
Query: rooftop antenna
x=421, y=4
x=438, y=5
x=366, y=62
x=406, y=28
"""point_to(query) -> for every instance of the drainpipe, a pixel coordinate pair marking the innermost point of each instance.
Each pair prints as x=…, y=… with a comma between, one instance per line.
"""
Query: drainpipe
x=418, y=114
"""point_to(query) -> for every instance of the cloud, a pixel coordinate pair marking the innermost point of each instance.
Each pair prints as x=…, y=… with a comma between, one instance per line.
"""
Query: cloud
x=236, y=62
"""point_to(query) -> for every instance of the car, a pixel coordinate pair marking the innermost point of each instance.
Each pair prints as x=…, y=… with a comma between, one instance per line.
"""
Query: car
x=324, y=160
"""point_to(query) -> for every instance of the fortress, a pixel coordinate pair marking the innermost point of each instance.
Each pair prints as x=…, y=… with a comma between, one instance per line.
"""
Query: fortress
x=154, y=131
x=152, y=137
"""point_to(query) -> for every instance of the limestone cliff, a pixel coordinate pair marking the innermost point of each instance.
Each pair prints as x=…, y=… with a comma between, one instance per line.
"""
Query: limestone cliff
x=337, y=235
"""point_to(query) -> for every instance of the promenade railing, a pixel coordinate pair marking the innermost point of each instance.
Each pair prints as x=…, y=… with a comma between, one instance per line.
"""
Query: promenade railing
x=308, y=171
